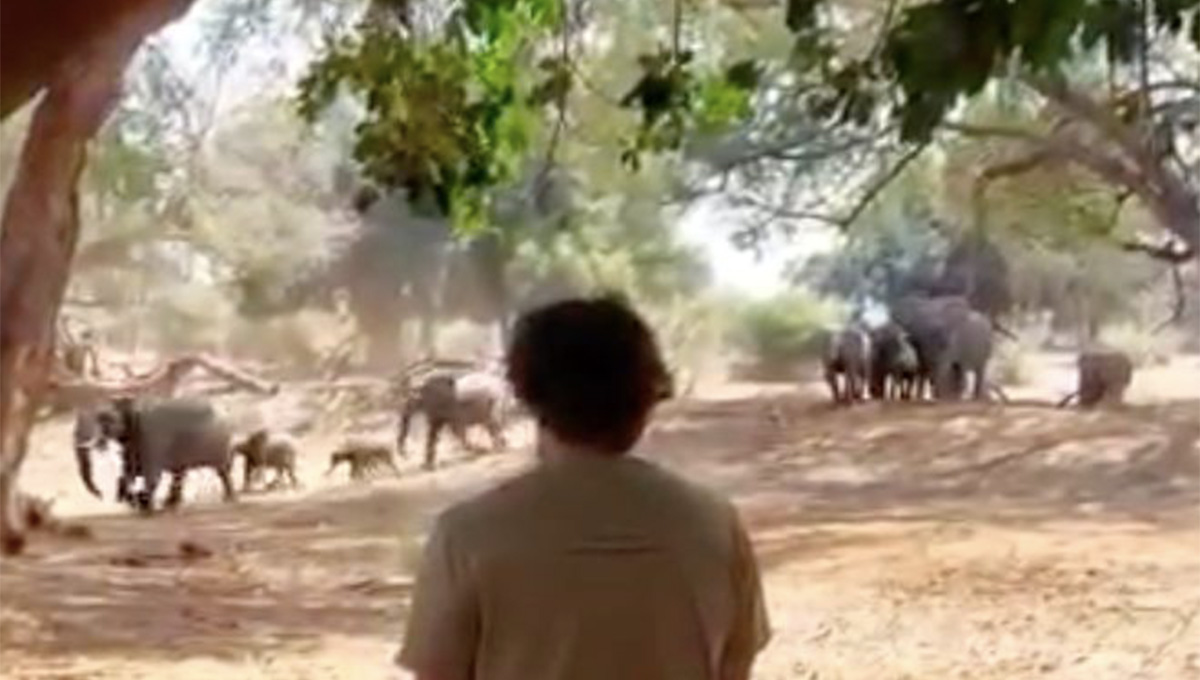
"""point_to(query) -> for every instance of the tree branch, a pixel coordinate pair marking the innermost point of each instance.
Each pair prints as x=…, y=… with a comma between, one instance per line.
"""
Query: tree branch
x=1169, y=252
x=1180, y=303
x=1058, y=92
x=841, y=222
x=882, y=183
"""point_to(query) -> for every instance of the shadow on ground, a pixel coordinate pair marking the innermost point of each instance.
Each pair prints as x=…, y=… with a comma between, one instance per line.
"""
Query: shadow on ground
x=334, y=561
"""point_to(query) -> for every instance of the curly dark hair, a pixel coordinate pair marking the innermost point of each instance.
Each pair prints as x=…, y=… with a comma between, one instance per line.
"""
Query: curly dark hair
x=589, y=370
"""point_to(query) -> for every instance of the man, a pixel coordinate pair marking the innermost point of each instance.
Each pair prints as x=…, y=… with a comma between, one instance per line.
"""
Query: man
x=594, y=564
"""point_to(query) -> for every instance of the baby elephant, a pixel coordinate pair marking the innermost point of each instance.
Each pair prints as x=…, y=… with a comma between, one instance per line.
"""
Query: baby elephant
x=1104, y=375
x=362, y=458
x=261, y=451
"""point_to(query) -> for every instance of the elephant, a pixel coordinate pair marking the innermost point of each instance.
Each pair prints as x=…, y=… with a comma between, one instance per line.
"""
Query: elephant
x=458, y=401
x=951, y=340
x=1104, y=375
x=895, y=368
x=362, y=458
x=262, y=450
x=847, y=353
x=968, y=350
x=156, y=436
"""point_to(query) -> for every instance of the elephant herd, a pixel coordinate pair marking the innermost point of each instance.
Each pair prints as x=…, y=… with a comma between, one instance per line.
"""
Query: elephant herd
x=178, y=435
x=931, y=344
x=940, y=346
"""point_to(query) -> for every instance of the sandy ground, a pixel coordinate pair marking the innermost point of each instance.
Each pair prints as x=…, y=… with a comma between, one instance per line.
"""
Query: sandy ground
x=897, y=541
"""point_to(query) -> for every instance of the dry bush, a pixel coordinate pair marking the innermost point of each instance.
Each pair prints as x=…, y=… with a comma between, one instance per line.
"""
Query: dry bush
x=1144, y=346
x=304, y=339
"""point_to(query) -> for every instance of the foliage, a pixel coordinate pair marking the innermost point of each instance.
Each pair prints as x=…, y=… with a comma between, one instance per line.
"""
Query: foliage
x=897, y=247
x=676, y=101
x=927, y=58
x=477, y=134
x=781, y=330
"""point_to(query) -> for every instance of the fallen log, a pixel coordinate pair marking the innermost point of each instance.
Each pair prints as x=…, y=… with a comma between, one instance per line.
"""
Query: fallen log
x=68, y=392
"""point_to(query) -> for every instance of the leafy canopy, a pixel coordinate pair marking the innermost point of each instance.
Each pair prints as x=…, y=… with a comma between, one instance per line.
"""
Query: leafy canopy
x=452, y=113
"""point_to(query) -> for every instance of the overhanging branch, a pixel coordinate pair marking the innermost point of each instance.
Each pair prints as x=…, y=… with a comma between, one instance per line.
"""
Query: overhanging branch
x=1171, y=252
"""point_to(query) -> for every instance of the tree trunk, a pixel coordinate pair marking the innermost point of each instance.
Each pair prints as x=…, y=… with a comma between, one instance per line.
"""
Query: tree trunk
x=41, y=229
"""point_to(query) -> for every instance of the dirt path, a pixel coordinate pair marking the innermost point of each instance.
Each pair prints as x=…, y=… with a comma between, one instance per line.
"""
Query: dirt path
x=897, y=542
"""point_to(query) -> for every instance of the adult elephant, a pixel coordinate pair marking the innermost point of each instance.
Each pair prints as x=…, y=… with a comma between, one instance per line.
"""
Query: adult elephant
x=169, y=435
x=457, y=401
x=952, y=341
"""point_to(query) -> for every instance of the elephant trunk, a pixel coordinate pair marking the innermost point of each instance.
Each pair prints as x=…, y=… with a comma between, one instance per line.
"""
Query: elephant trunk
x=83, y=455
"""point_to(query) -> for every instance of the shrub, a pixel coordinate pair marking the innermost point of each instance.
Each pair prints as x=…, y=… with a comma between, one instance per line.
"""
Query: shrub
x=781, y=330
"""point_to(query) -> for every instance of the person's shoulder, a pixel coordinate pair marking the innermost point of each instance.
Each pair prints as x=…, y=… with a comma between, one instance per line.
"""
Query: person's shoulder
x=489, y=507
x=674, y=487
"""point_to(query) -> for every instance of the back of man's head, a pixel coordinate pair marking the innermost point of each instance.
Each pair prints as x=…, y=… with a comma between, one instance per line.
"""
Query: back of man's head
x=589, y=370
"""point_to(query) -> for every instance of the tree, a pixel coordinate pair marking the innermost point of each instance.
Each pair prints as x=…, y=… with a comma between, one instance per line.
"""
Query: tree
x=41, y=220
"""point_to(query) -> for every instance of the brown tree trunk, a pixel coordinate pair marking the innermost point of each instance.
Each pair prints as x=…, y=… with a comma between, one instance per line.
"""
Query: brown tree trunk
x=41, y=228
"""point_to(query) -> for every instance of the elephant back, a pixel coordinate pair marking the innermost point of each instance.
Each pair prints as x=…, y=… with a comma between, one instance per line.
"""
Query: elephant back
x=182, y=433
x=921, y=316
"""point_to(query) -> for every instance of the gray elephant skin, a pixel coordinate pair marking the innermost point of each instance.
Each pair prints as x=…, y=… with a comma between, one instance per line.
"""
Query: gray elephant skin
x=457, y=401
x=263, y=450
x=895, y=368
x=174, y=436
x=1104, y=375
x=847, y=355
x=951, y=340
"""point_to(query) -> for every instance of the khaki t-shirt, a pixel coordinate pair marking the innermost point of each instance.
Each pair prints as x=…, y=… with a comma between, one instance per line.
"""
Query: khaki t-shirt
x=585, y=568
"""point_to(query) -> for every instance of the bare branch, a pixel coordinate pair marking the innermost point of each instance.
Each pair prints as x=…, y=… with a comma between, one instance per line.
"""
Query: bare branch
x=1169, y=252
x=843, y=222
x=972, y=130
x=1180, y=303
x=882, y=183
x=781, y=211
x=1057, y=91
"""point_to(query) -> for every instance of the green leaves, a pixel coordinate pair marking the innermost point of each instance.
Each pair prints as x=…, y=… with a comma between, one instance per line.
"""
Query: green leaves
x=801, y=14
x=937, y=52
x=674, y=100
x=448, y=118
x=556, y=83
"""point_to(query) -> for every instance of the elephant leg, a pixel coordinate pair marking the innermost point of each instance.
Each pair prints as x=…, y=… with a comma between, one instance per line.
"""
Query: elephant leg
x=145, y=497
x=460, y=431
x=431, y=441
x=496, y=433
x=247, y=475
x=123, y=494
x=175, y=495
x=225, y=474
x=391, y=465
x=291, y=475
x=402, y=431
x=832, y=380
x=981, y=392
